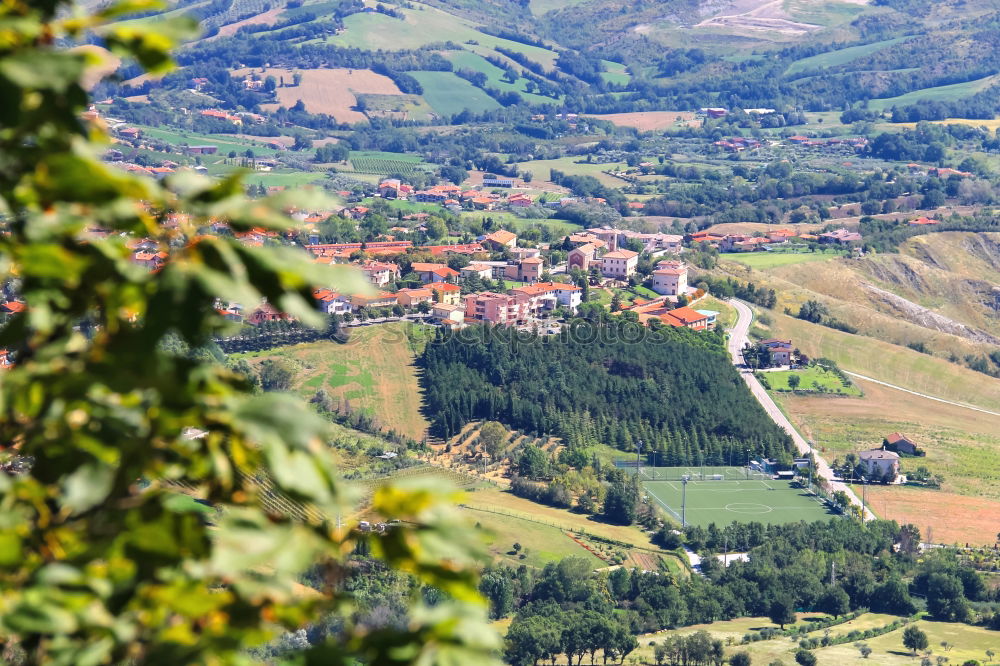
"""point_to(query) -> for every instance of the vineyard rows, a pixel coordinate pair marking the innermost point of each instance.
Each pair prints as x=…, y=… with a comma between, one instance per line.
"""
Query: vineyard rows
x=385, y=167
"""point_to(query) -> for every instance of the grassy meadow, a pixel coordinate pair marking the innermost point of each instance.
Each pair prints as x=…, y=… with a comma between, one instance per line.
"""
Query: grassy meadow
x=891, y=363
x=765, y=260
x=814, y=378
x=477, y=63
x=449, y=94
x=513, y=507
x=373, y=372
x=540, y=543
x=948, y=93
x=571, y=165
x=839, y=56
x=422, y=26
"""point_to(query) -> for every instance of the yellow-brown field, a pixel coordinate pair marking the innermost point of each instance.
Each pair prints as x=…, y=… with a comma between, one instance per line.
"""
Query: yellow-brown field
x=650, y=121
x=330, y=91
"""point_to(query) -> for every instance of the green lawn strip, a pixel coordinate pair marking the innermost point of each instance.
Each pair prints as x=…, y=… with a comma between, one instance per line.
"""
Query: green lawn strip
x=840, y=56
x=450, y=94
x=814, y=378
x=765, y=260
x=225, y=144
x=948, y=93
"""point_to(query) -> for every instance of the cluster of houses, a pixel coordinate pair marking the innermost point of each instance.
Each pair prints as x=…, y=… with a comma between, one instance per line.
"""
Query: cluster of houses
x=855, y=143
x=772, y=238
x=456, y=198
x=737, y=144
x=441, y=298
x=939, y=172
x=605, y=250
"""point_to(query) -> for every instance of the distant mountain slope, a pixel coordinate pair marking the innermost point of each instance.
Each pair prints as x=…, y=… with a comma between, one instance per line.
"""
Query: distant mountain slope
x=607, y=56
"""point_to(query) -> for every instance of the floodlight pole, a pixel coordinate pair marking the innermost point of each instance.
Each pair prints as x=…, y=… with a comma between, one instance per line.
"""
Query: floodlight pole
x=809, y=479
x=638, y=458
x=864, y=497
x=748, y=464
x=684, y=495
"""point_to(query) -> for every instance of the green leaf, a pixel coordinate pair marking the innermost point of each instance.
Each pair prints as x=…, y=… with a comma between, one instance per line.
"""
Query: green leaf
x=43, y=70
x=87, y=487
x=10, y=549
x=42, y=616
x=150, y=43
x=125, y=7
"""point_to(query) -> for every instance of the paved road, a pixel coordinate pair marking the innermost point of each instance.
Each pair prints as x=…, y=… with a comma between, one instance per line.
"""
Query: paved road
x=921, y=395
x=737, y=339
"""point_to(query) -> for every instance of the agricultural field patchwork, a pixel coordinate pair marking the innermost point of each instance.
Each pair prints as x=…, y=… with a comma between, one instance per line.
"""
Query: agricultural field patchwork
x=960, y=445
x=330, y=91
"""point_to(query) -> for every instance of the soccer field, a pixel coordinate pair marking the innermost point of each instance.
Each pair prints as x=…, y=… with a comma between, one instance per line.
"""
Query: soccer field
x=731, y=501
x=705, y=473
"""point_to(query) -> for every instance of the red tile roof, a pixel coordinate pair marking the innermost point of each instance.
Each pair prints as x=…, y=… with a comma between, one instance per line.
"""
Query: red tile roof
x=687, y=315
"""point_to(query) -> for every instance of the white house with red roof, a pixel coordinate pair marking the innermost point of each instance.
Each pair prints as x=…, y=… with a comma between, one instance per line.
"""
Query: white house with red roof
x=330, y=302
x=433, y=272
x=620, y=264
x=670, y=280
x=380, y=273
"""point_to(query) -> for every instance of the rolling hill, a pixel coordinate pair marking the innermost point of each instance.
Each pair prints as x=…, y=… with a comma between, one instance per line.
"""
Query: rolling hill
x=623, y=56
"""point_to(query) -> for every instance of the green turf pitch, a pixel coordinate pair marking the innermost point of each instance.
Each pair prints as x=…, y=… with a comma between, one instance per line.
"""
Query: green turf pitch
x=724, y=502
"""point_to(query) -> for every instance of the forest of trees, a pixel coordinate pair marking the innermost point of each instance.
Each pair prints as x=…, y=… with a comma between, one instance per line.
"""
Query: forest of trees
x=836, y=567
x=677, y=391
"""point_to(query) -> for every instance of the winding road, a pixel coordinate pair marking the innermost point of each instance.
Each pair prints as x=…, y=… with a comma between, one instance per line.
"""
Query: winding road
x=738, y=337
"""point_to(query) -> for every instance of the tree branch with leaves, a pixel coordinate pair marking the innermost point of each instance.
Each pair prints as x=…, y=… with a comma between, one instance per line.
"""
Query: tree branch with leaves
x=97, y=564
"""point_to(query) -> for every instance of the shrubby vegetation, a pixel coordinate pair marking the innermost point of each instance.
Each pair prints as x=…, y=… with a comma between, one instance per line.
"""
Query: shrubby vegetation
x=789, y=570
